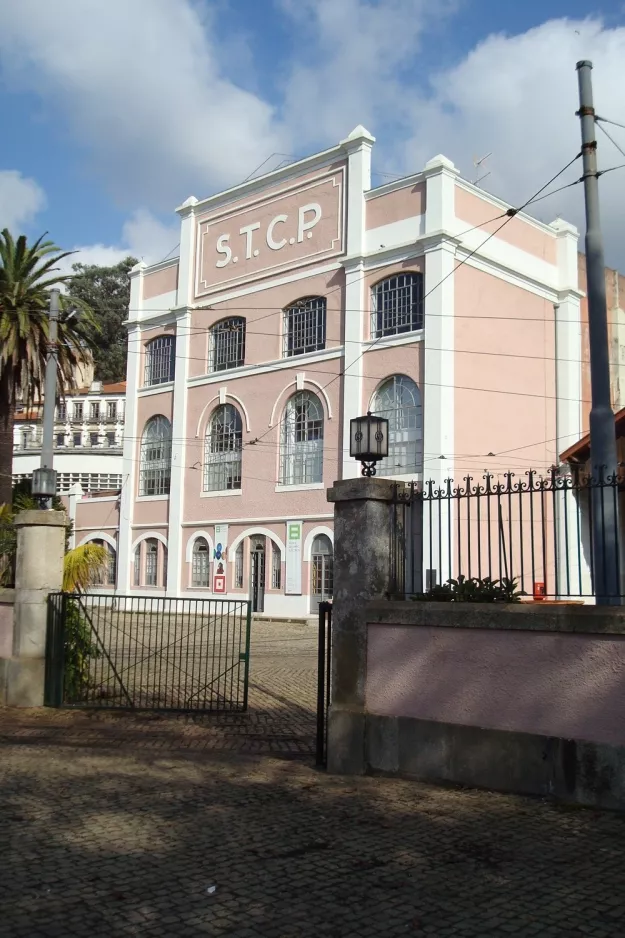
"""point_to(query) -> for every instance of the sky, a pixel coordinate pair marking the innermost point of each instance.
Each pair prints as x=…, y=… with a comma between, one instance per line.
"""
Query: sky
x=113, y=112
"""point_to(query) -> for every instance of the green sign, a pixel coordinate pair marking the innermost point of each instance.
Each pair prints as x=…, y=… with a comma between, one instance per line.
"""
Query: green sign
x=295, y=532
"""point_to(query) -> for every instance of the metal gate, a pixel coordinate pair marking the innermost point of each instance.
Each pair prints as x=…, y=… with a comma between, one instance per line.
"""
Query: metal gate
x=148, y=653
x=324, y=677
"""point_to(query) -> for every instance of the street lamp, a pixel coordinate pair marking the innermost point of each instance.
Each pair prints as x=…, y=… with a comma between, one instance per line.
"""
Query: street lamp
x=368, y=441
x=43, y=485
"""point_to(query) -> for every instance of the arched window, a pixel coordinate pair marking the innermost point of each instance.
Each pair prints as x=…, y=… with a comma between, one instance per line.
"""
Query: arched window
x=238, y=567
x=399, y=400
x=136, y=566
x=322, y=570
x=301, y=450
x=108, y=576
x=276, y=567
x=160, y=360
x=151, y=562
x=226, y=344
x=155, y=465
x=222, y=453
x=200, y=562
x=305, y=326
x=397, y=305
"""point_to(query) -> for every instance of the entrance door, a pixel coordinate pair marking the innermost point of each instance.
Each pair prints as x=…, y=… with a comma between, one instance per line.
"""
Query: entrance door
x=258, y=576
x=321, y=571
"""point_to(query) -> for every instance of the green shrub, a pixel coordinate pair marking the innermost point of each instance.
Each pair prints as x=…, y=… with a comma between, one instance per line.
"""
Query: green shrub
x=473, y=590
x=79, y=651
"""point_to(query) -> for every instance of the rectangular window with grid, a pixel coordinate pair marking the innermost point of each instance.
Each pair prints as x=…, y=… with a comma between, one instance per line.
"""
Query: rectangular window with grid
x=238, y=567
x=276, y=567
x=60, y=440
x=61, y=411
x=305, y=326
x=226, y=345
x=94, y=439
x=77, y=439
x=94, y=410
x=397, y=305
x=78, y=411
x=160, y=357
x=111, y=410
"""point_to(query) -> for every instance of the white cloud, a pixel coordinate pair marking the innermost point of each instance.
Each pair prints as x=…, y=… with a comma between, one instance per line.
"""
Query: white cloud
x=354, y=72
x=143, y=236
x=517, y=96
x=142, y=87
x=21, y=199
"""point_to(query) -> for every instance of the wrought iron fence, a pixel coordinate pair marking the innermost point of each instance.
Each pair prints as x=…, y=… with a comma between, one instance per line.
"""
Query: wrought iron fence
x=535, y=529
x=150, y=653
x=324, y=676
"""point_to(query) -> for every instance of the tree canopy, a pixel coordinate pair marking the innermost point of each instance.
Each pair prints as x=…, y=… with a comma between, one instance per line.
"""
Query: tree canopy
x=106, y=290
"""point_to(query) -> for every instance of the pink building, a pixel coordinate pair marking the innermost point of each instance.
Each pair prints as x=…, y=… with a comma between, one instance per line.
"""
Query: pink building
x=302, y=299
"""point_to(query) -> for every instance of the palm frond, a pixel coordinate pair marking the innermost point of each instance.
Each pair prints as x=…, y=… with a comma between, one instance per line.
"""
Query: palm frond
x=82, y=566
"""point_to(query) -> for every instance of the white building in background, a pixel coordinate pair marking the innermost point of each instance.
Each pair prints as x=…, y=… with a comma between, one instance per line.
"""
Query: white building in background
x=88, y=439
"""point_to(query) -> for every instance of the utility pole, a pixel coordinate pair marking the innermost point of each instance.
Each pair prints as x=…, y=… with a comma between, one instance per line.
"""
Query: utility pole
x=603, y=462
x=44, y=479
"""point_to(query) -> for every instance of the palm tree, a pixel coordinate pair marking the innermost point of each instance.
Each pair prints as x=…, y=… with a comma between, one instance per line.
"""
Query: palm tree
x=27, y=274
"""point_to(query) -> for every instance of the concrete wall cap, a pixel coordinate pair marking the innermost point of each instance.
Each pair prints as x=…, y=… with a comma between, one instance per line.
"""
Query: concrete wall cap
x=33, y=518
x=530, y=617
x=364, y=489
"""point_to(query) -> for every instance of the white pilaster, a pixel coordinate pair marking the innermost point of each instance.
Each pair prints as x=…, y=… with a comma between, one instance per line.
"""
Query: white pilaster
x=186, y=288
x=574, y=568
x=178, y=453
x=129, y=465
x=358, y=147
x=73, y=496
x=439, y=378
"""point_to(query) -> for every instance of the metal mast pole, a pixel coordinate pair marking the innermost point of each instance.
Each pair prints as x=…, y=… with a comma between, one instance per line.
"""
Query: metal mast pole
x=49, y=401
x=603, y=462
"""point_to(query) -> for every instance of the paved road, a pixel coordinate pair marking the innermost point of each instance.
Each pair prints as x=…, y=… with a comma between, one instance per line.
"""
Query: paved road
x=120, y=826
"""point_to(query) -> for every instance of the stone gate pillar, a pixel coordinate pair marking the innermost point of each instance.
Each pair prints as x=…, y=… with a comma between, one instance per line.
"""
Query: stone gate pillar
x=38, y=572
x=362, y=571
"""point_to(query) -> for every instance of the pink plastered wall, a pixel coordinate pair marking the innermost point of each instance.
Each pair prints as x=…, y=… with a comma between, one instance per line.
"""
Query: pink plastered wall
x=97, y=515
x=380, y=363
x=325, y=187
x=262, y=311
x=474, y=210
x=553, y=684
x=504, y=375
x=260, y=395
x=396, y=205
x=160, y=281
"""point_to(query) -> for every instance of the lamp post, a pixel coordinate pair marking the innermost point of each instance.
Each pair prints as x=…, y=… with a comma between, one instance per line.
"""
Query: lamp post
x=368, y=441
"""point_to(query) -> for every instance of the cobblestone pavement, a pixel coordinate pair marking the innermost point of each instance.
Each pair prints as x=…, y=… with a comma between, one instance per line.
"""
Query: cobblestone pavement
x=122, y=826
x=280, y=720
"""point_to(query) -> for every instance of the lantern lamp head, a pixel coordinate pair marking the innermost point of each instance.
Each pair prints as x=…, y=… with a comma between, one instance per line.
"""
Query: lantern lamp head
x=368, y=441
x=43, y=484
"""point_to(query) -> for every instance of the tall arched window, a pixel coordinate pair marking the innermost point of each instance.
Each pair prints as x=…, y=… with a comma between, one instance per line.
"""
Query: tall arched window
x=301, y=449
x=136, y=566
x=305, y=326
x=160, y=360
x=151, y=562
x=155, y=465
x=399, y=400
x=226, y=344
x=200, y=562
x=397, y=305
x=222, y=453
x=321, y=570
x=238, y=567
x=108, y=575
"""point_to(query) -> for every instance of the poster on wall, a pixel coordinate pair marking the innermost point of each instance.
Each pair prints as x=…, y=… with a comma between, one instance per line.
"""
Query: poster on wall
x=219, y=558
x=293, y=584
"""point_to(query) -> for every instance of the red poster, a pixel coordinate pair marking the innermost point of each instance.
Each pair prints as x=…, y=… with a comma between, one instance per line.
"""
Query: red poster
x=219, y=583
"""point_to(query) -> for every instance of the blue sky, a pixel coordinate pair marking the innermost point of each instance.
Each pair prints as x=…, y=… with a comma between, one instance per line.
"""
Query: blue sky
x=115, y=111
